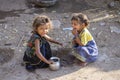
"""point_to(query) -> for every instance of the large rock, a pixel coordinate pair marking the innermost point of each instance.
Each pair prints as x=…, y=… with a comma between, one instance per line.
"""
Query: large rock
x=43, y=3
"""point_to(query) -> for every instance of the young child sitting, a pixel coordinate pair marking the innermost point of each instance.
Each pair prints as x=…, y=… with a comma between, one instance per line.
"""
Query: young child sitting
x=38, y=51
x=84, y=45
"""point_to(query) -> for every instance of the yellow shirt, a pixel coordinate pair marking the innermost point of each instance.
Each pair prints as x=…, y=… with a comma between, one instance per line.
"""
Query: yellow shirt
x=85, y=36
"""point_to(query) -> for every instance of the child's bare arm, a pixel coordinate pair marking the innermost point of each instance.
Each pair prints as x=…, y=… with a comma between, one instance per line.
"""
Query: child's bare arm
x=51, y=40
x=77, y=40
x=38, y=53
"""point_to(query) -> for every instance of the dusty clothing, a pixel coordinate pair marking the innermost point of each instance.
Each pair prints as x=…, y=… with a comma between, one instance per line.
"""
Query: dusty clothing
x=30, y=57
x=88, y=52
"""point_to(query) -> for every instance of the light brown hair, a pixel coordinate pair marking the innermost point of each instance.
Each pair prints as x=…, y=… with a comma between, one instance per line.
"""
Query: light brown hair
x=40, y=21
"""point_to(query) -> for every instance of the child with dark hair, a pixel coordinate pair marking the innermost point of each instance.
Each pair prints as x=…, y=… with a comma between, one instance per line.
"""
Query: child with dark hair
x=38, y=51
x=84, y=45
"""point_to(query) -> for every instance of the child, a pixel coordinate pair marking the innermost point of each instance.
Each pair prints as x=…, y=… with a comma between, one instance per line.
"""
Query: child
x=38, y=50
x=84, y=44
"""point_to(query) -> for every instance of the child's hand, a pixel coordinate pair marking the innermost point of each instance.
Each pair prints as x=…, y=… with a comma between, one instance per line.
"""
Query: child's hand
x=73, y=42
x=60, y=44
x=50, y=62
x=74, y=32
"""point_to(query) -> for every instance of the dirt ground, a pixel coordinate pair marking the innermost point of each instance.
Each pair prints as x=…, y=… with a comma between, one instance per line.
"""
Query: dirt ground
x=16, y=18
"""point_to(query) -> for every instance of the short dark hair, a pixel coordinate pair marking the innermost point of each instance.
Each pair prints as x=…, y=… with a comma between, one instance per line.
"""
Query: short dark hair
x=80, y=17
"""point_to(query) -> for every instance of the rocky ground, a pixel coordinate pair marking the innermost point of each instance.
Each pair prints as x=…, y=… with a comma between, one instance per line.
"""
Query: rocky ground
x=15, y=29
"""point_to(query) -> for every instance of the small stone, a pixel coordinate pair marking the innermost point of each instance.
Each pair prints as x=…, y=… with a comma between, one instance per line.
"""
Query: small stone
x=6, y=37
x=93, y=29
x=102, y=24
x=20, y=50
x=15, y=30
x=112, y=4
x=23, y=21
x=25, y=44
x=5, y=26
x=53, y=11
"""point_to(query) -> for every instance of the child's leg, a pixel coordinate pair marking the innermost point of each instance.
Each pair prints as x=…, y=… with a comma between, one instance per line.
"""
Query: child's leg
x=81, y=61
x=78, y=56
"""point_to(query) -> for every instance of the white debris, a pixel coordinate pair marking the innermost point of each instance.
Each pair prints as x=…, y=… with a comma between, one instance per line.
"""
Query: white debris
x=93, y=29
x=25, y=44
x=102, y=24
x=69, y=28
x=5, y=26
x=53, y=11
x=14, y=30
x=115, y=29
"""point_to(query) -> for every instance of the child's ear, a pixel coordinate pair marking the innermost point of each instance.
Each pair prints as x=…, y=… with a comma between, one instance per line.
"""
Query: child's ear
x=83, y=24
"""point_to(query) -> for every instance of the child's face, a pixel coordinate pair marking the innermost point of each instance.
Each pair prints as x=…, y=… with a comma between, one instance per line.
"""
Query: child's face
x=42, y=30
x=76, y=25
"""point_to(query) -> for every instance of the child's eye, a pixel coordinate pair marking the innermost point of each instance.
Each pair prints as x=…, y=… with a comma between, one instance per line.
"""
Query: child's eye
x=74, y=24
